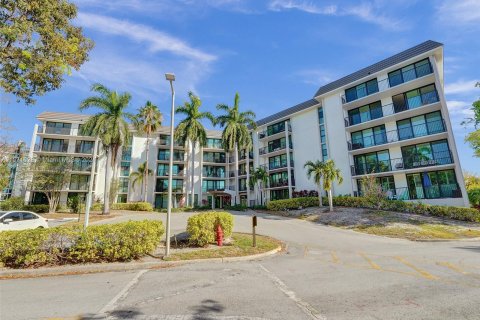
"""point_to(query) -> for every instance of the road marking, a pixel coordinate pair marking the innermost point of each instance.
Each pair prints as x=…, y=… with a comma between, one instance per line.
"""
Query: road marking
x=334, y=257
x=422, y=272
x=370, y=262
x=305, y=252
x=307, y=308
x=110, y=306
x=451, y=267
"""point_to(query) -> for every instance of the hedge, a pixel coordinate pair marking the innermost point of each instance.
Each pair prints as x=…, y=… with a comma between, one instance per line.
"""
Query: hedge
x=38, y=208
x=457, y=213
x=132, y=206
x=69, y=245
x=202, y=227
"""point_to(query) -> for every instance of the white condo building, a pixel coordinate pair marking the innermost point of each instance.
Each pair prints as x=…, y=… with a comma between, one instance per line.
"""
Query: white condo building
x=389, y=120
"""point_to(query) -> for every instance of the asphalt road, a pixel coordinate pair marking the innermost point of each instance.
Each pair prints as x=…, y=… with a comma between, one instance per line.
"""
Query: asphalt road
x=326, y=273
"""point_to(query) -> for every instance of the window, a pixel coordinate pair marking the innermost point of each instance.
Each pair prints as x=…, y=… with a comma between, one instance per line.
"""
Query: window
x=278, y=144
x=84, y=147
x=410, y=72
x=213, y=185
x=369, y=137
x=126, y=153
x=214, y=143
x=387, y=184
x=279, y=179
x=276, y=128
x=15, y=216
x=423, y=125
x=122, y=198
x=415, y=98
x=58, y=127
x=162, y=169
x=279, y=194
x=372, y=162
x=433, y=184
x=29, y=216
x=162, y=185
x=323, y=134
x=79, y=182
x=277, y=162
x=54, y=145
x=361, y=90
x=213, y=171
x=426, y=154
x=216, y=157
x=365, y=113
x=82, y=164
x=164, y=155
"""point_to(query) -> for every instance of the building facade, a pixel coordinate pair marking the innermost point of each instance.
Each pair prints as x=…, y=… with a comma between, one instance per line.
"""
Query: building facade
x=388, y=120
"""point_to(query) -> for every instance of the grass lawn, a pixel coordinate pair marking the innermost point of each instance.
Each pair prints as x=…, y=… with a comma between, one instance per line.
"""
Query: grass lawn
x=241, y=246
x=93, y=217
x=420, y=231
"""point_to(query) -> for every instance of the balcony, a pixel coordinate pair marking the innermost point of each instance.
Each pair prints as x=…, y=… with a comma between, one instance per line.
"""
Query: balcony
x=401, y=134
x=441, y=191
x=166, y=142
x=244, y=156
x=164, y=188
x=85, y=150
x=214, y=174
x=267, y=133
x=278, y=184
x=54, y=130
x=398, y=164
x=166, y=157
x=409, y=73
x=165, y=173
x=266, y=150
x=390, y=109
x=57, y=148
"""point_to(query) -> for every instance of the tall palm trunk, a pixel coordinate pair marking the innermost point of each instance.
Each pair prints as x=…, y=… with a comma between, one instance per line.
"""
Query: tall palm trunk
x=320, y=200
x=237, y=194
x=145, y=178
x=187, y=171
x=106, y=193
x=192, y=186
x=330, y=199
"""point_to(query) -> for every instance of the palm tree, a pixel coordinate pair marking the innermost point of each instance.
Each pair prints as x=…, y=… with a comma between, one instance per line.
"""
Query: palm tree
x=190, y=130
x=109, y=125
x=140, y=175
x=148, y=120
x=260, y=178
x=236, y=134
x=330, y=174
x=316, y=169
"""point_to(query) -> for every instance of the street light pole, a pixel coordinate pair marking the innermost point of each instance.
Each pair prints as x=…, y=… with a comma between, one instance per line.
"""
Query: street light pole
x=170, y=77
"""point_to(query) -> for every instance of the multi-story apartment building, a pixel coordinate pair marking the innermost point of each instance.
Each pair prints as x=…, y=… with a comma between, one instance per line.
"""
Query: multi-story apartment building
x=389, y=120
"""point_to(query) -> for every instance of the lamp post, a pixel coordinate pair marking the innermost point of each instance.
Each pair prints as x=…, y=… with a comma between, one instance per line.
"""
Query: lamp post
x=170, y=77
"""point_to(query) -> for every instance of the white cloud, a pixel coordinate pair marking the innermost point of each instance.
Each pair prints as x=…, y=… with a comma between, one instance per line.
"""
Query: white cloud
x=461, y=86
x=457, y=107
x=365, y=11
x=459, y=11
x=316, y=77
x=156, y=40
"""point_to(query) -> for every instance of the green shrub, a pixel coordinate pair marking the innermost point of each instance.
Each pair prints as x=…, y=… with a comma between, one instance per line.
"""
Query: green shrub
x=97, y=206
x=132, y=206
x=291, y=204
x=38, y=208
x=68, y=245
x=474, y=197
x=457, y=213
x=237, y=207
x=12, y=203
x=201, y=227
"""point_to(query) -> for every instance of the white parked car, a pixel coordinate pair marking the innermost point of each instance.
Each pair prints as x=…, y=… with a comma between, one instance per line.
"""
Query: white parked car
x=21, y=220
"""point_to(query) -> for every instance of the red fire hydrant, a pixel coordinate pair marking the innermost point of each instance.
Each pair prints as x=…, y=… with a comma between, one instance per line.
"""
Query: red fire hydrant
x=219, y=235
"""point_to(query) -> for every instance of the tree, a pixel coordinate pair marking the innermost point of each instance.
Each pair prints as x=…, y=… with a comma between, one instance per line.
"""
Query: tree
x=260, y=178
x=190, y=130
x=110, y=125
x=330, y=174
x=148, y=120
x=316, y=170
x=38, y=45
x=49, y=175
x=236, y=132
x=140, y=175
x=473, y=138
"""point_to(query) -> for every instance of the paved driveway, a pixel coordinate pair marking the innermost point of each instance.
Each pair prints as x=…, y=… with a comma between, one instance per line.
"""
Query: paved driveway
x=326, y=273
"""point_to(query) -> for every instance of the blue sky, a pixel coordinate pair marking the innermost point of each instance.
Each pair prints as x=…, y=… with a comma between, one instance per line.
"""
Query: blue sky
x=275, y=53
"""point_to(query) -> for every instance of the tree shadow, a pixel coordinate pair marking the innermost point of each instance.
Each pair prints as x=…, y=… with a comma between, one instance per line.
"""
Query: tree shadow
x=206, y=309
x=116, y=314
x=471, y=248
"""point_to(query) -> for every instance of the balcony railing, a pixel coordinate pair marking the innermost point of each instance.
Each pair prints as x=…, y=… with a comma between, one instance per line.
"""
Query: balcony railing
x=266, y=150
x=279, y=183
x=165, y=189
x=79, y=186
x=80, y=149
x=166, y=142
x=406, y=133
x=231, y=159
x=267, y=133
x=54, y=130
x=61, y=148
x=244, y=156
x=389, y=109
x=411, y=74
x=214, y=174
x=426, y=192
x=164, y=173
x=166, y=157
x=382, y=85
x=441, y=158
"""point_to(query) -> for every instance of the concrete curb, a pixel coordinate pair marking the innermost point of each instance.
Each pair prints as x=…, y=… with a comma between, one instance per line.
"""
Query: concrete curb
x=118, y=266
x=449, y=240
